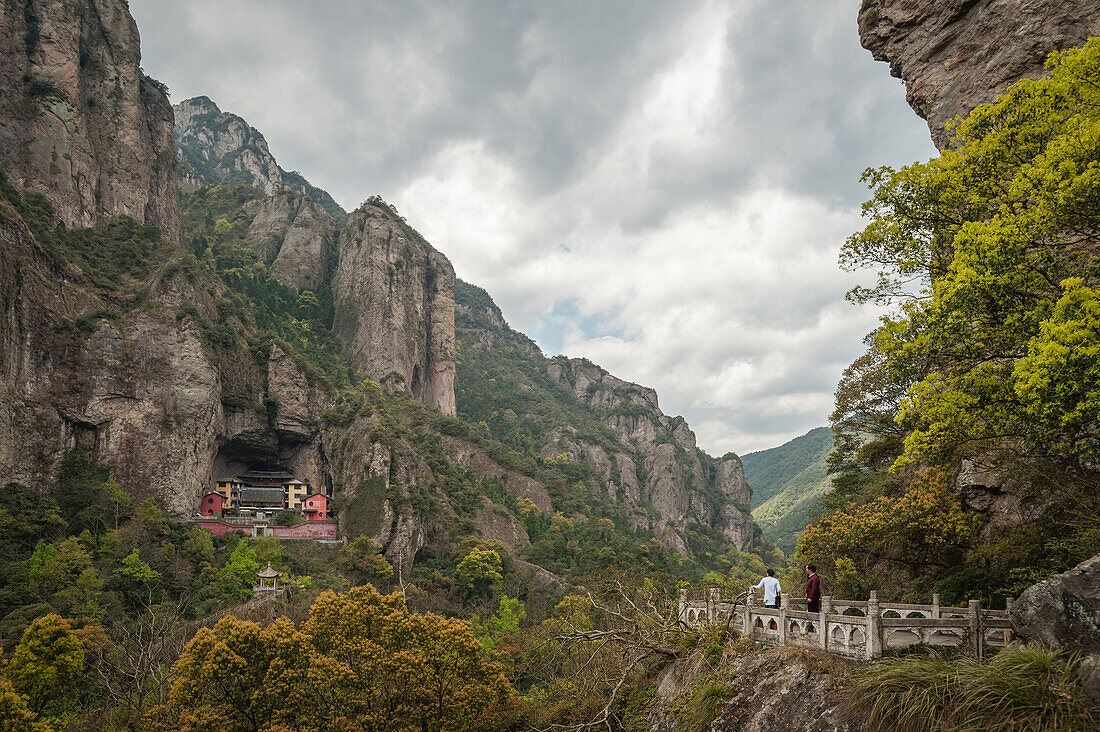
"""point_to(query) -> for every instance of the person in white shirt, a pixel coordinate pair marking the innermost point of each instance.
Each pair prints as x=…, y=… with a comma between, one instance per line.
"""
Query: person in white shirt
x=771, y=589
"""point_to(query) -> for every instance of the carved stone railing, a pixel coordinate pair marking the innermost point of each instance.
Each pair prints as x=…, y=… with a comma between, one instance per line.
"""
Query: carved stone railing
x=853, y=628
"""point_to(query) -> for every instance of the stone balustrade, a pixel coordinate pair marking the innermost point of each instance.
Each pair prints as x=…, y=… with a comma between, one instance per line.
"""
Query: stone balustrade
x=853, y=628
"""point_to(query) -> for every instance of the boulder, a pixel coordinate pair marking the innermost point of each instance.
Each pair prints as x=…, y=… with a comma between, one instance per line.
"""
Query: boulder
x=1064, y=611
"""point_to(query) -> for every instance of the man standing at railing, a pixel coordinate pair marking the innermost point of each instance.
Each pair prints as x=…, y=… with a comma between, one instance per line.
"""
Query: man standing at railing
x=813, y=589
x=771, y=589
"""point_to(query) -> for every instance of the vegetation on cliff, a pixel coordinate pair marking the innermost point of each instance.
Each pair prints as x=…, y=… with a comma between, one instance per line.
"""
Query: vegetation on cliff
x=986, y=372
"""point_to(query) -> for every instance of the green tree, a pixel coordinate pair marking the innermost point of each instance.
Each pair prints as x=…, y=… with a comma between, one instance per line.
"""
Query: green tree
x=55, y=567
x=987, y=248
x=361, y=661
x=986, y=370
x=139, y=583
x=362, y=559
x=479, y=571
x=240, y=676
x=27, y=517
x=119, y=499
x=308, y=305
x=199, y=547
x=14, y=714
x=45, y=662
x=243, y=564
x=505, y=620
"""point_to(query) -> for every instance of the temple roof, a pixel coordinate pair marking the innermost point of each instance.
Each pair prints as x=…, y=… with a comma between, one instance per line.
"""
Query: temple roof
x=269, y=572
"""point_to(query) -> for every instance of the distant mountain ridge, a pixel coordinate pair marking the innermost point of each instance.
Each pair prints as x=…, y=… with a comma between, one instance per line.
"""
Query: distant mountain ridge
x=787, y=482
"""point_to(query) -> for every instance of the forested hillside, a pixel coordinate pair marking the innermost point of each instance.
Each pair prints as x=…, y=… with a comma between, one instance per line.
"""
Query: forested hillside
x=787, y=484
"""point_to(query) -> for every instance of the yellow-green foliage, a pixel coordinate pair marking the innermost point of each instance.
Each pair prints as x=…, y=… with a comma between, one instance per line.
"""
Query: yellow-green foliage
x=989, y=363
x=1026, y=688
x=992, y=239
x=925, y=525
x=46, y=662
x=361, y=661
x=14, y=715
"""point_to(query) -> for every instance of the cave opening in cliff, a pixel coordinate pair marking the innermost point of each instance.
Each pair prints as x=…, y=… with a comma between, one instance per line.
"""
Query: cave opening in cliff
x=269, y=473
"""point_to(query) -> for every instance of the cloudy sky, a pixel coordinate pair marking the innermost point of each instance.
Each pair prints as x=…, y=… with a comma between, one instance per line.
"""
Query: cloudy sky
x=661, y=187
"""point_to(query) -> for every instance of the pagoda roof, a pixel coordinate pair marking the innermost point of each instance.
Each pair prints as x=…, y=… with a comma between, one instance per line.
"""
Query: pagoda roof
x=269, y=572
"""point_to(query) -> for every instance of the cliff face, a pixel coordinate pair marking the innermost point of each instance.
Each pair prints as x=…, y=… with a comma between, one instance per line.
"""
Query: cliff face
x=571, y=409
x=766, y=689
x=956, y=54
x=79, y=122
x=147, y=365
x=294, y=236
x=394, y=292
x=216, y=147
x=668, y=471
x=395, y=306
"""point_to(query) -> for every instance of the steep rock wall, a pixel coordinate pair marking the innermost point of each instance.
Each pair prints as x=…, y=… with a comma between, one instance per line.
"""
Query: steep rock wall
x=294, y=236
x=767, y=689
x=395, y=306
x=79, y=121
x=956, y=54
x=677, y=479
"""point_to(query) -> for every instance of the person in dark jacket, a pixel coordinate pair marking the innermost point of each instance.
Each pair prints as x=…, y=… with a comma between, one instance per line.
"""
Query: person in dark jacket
x=813, y=589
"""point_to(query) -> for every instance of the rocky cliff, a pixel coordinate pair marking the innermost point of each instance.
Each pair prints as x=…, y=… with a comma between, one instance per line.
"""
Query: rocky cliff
x=574, y=411
x=664, y=469
x=1064, y=612
x=218, y=147
x=956, y=54
x=394, y=292
x=175, y=366
x=395, y=305
x=766, y=689
x=79, y=122
x=118, y=346
x=295, y=237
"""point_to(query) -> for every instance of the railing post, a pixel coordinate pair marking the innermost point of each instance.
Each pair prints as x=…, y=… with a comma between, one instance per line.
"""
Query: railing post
x=973, y=608
x=936, y=606
x=823, y=622
x=1008, y=631
x=750, y=600
x=712, y=604
x=874, y=627
x=784, y=598
x=683, y=604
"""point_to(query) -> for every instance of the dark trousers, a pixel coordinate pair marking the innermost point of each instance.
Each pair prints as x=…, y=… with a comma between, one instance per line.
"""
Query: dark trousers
x=813, y=606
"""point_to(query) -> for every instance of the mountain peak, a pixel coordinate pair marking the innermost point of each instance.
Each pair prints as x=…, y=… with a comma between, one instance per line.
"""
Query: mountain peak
x=221, y=147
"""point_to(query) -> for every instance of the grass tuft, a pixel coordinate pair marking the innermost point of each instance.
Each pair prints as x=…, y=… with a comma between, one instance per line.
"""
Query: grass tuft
x=1026, y=688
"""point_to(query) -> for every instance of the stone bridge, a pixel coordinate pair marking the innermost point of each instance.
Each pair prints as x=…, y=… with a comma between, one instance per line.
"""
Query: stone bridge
x=853, y=628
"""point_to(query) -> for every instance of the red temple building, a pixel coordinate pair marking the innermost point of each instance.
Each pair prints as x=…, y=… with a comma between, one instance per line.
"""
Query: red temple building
x=315, y=507
x=212, y=504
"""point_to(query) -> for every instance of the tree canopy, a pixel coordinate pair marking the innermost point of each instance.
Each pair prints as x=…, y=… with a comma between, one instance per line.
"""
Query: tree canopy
x=990, y=250
x=361, y=661
x=986, y=371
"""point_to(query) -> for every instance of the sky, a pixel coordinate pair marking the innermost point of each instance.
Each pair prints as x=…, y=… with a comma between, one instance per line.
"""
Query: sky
x=660, y=187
